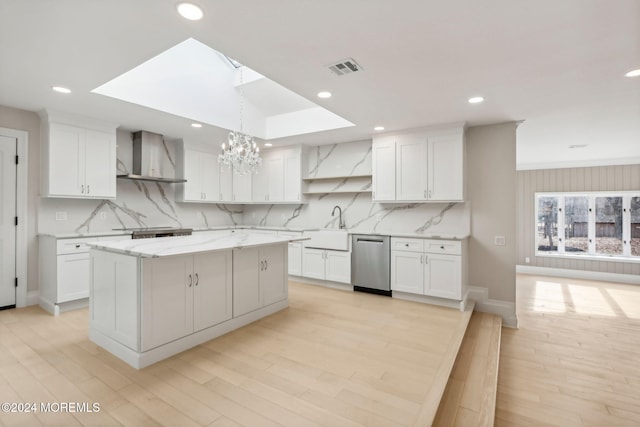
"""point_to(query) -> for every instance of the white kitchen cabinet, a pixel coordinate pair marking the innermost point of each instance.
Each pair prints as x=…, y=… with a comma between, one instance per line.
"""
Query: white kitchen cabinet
x=384, y=169
x=425, y=166
x=293, y=174
x=427, y=267
x=446, y=167
x=294, y=253
x=241, y=185
x=411, y=170
x=326, y=264
x=200, y=169
x=64, y=271
x=79, y=162
x=268, y=182
x=259, y=278
x=184, y=294
x=225, y=180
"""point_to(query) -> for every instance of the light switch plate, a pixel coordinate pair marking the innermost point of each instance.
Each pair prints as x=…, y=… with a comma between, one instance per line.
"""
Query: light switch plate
x=61, y=216
x=499, y=240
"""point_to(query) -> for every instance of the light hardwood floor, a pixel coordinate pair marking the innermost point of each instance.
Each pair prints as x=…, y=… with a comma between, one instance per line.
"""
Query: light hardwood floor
x=575, y=359
x=332, y=359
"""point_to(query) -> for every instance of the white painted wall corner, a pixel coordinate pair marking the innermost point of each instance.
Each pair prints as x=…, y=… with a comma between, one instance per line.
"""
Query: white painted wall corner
x=505, y=309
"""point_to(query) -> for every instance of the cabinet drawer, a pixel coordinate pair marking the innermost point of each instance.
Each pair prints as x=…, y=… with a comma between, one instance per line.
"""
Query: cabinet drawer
x=74, y=246
x=443, y=247
x=407, y=244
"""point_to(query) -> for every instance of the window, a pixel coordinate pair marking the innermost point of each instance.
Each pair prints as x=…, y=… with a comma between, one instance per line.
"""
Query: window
x=603, y=224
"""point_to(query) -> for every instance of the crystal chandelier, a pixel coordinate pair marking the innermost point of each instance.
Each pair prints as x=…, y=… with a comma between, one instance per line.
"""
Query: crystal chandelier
x=242, y=153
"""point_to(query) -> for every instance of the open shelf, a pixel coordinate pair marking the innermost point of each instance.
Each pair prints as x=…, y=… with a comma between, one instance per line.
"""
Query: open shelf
x=337, y=192
x=325, y=178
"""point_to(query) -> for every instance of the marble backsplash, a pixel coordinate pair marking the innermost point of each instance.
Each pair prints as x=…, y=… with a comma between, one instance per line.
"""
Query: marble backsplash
x=151, y=204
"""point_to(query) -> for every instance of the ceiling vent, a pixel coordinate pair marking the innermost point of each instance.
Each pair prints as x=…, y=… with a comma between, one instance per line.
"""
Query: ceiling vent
x=346, y=66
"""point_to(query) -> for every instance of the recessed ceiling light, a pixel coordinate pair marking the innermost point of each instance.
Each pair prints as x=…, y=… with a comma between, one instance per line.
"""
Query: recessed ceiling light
x=61, y=89
x=324, y=94
x=190, y=11
x=476, y=100
x=633, y=73
x=578, y=146
x=268, y=144
x=196, y=125
x=378, y=128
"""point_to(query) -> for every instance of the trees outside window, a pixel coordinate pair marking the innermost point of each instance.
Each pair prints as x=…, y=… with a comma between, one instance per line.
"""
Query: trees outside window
x=595, y=224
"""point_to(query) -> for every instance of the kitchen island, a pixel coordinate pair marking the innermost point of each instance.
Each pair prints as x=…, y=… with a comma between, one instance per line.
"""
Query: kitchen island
x=153, y=298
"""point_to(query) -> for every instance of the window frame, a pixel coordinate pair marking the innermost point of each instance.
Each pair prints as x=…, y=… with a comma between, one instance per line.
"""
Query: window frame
x=591, y=254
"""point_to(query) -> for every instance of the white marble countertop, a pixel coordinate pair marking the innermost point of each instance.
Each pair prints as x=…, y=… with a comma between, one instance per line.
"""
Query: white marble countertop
x=182, y=245
x=425, y=235
x=123, y=233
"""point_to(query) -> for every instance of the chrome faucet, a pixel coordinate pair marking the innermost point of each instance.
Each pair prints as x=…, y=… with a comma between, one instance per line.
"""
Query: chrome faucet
x=340, y=222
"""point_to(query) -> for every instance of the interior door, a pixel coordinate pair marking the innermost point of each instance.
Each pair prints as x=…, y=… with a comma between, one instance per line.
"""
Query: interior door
x=8, y=150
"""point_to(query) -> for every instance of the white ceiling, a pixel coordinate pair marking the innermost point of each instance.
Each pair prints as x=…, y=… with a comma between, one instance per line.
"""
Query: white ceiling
x=557, y=65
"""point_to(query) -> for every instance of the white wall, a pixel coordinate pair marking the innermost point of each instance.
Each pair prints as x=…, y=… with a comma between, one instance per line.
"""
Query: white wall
x=491, y=190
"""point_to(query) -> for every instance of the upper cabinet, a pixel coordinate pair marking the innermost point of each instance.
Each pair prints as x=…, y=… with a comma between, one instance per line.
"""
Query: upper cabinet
x=79, y=157
x=425, y=166
x=277, y=181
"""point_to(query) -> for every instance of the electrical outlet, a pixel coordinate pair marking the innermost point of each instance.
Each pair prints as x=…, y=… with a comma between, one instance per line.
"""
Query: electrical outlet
x=61, y=216
x=379, y=217
x=103, y=215
x=527, y=260
x=499, y=240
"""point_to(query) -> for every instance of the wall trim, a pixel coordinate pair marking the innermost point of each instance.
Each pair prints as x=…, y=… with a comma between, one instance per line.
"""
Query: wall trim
x=578, y=164
x=505, y=309
x=22, y=191
x=631, y=279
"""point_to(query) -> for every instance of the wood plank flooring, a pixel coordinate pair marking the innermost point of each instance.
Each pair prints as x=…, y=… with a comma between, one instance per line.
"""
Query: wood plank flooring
x=574, y=361
x=332, y=359
x=470, y=396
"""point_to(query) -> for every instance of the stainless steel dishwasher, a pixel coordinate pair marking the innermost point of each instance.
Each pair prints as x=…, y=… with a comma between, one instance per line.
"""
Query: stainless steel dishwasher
x=370, y=259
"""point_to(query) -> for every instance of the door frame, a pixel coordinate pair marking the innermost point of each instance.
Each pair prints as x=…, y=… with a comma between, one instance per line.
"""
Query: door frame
x=21, y=211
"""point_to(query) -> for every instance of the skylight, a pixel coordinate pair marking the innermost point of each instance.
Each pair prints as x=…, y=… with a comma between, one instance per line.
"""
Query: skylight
x=194, y=81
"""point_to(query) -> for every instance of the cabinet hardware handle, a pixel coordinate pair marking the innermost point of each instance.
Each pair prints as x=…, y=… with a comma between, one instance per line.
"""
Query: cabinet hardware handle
x=421, y=259
x=190, y=280
x=406, y=244
x=82, y=189
x=88, y=189
x=441, y=247
x=426, y=259
x=197, y=279
x=425, y=194
x=266, y=264
x=429, y=193
x=77, y=246
x=261, y=265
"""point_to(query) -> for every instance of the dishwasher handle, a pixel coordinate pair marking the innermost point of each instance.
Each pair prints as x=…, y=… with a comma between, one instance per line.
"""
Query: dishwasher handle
x=369, y=240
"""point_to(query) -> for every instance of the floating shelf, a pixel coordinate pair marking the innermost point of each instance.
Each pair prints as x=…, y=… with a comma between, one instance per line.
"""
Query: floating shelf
x=326, y=178
x=337, y=192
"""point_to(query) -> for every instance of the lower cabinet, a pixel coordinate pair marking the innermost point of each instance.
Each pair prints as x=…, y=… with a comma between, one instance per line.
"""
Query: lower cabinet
x=326, y=264
x=259, y=278
x=427, y=267
x=295, y=258
x=184, y=294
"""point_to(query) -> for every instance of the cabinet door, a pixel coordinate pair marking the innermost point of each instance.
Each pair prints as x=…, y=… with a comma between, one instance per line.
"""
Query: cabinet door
x=273, y=274
x=292, y=175
x=212, y=289
x=241, y=188
x=338, y=266
x=226, y=187
x=313, y=263
x=66, y=160
x=276, y=178
x=295, y=258
x=446, y=167
x=411, y=168
x=443, y=276
x=167, y=299
x=407, y=272
x=384, y=169
x=210, y=177
x=100, y=164
x=246, y=281
x=260, y=183
x=73, y=277
x=193, y=175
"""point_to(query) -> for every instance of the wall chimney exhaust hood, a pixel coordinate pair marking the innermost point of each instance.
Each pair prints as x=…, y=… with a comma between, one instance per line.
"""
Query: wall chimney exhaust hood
x=149, y=149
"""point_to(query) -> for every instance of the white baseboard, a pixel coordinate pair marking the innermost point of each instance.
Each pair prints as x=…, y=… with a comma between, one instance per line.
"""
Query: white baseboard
x=505, y=309
x=630, y=279
x=325, y=283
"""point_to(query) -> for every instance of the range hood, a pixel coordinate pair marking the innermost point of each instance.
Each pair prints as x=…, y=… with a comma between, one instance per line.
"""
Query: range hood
x=149, y=150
